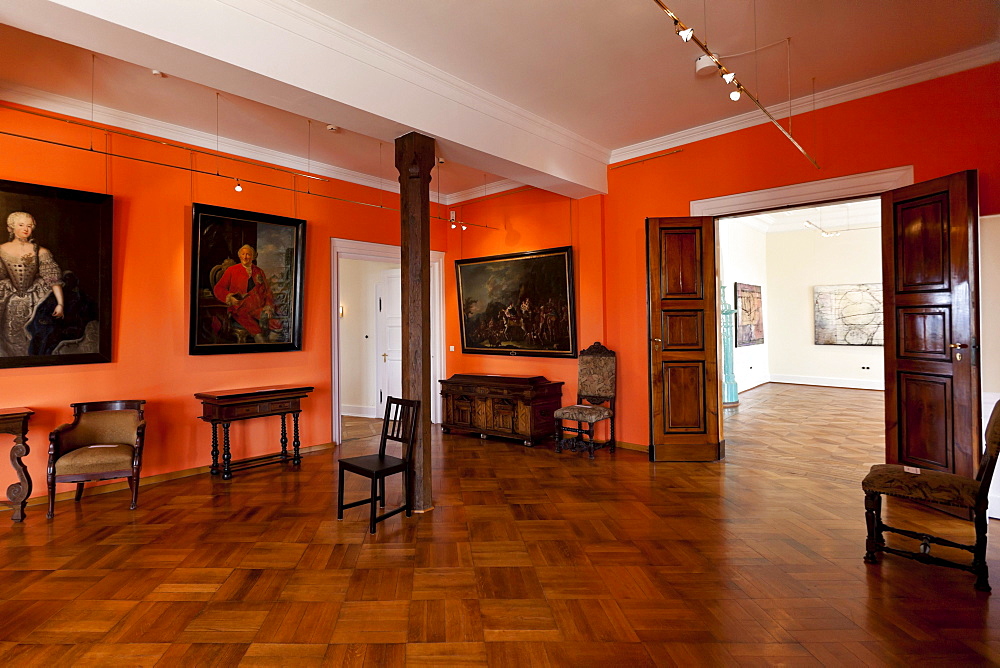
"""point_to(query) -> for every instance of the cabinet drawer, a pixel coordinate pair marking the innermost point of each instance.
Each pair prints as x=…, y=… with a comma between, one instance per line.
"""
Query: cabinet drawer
x=280, y=406
x=244, y=411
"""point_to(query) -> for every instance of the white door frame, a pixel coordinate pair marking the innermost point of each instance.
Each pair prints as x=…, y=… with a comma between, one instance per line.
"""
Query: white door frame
x=363, y=250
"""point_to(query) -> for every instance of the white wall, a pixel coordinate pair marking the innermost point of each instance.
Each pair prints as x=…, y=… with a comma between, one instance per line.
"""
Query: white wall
x=742, y=250
x=357, y=353
x=796, y=262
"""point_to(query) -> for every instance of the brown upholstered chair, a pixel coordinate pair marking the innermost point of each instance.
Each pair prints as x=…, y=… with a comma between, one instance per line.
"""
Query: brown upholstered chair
x=400, y=425
x=103, y=442
x=935, y=487
x=596, y=385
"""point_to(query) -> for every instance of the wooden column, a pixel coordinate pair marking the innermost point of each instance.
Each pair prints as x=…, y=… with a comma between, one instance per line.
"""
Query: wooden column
x=414, y=160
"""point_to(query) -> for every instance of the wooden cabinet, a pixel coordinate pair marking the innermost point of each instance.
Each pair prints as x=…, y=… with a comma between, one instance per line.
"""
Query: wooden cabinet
x=518, y=407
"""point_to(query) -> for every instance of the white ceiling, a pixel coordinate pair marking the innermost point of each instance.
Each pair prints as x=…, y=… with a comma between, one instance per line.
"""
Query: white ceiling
x=541, y=93
x=860, y=214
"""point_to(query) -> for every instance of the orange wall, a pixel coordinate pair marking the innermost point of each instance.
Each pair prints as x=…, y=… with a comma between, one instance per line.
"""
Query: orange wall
x=151, y=280
x=525, y=220
x=940, y=127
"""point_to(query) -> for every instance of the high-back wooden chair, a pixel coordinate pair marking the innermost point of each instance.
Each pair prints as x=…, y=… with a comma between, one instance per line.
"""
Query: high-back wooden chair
x=596, y=385
x=934, y=487
x=103, y=442
x=398, y=425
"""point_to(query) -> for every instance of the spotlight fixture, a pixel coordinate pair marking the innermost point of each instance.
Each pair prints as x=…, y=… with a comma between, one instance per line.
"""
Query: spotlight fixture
x=464, y=227
x=453, y=226
x=239, y=186
x=687, y=35
x=823, y=233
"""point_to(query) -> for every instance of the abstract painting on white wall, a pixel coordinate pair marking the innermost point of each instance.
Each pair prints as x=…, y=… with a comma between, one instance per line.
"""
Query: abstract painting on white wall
x=848, y=315
x=749, y=315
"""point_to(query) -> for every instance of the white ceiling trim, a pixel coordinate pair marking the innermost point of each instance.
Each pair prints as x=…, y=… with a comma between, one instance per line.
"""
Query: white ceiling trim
x=959, y=62
x=481, y=191
x=843, y=187
x=105, y=115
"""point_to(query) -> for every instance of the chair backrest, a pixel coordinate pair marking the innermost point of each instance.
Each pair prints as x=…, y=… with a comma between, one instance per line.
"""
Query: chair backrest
x=597, y=374
x=989, y=462
x=105, y=422
x=400, y=424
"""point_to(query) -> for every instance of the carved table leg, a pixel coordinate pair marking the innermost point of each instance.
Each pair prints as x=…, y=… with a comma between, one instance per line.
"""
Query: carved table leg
x=215, y=450
x=873, y=518
x=18, y=492
x=284, y=438
x=227, y=456
x=296, y=459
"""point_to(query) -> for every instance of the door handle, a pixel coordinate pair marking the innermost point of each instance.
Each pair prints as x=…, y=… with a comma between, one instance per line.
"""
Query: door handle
x=385, y=357
x=657, y=342
x=958, y=345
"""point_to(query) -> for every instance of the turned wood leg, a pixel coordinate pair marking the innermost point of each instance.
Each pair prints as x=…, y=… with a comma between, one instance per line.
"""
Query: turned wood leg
x=52, y=495
x=613, y=442
x=873, y=518
x=284, y=437
x=227, y=455
x=371, y=506
x=133, y=483
x=979, y=553
x=340, y=496
x=296, y=459
x=215, y=450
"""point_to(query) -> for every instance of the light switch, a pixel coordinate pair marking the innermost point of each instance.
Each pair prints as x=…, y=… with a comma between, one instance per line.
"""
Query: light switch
x=451, y=349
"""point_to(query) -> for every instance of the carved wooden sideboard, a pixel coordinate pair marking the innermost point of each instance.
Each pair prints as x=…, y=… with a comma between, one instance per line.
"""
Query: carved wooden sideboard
x=518, y=407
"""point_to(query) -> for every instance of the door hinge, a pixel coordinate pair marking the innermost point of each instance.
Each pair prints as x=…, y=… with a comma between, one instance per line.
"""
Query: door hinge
x=379, y=304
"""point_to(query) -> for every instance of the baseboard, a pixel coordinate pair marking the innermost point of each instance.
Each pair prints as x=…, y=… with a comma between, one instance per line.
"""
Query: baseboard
x=636, y=447
x=850, y=383
x=118, y=485
x=358, y=411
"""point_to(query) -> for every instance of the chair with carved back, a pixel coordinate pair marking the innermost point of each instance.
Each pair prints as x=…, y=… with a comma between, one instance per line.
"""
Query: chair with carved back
x=399, y=425
x=103, y=442
x=597, y=375
x=938, y=487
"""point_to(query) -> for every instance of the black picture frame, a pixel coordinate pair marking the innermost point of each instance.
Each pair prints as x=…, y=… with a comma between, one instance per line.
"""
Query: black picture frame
x=229, y=309
x=518, y=304
x=70, y=248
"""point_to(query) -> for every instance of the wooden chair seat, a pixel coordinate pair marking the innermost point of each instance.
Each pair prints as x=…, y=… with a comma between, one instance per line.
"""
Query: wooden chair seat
x=364, y=464
x=934, y=487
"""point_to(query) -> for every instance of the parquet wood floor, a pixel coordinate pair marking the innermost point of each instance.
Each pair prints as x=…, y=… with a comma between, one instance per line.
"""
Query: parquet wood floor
x=529, y=559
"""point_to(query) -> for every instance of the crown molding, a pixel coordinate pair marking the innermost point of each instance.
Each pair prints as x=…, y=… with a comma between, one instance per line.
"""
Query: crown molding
x=966, y=60
x=312, y=24
x=481, y=191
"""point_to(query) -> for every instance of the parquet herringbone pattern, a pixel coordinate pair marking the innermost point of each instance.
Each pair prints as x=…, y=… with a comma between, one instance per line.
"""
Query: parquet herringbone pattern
x=528, y=559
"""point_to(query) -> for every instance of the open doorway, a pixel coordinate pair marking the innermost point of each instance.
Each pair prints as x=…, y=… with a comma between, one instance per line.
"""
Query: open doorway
x=366, y=336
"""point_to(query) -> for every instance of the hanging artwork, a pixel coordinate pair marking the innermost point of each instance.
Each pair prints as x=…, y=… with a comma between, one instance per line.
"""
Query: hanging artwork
x=848, y=315
x=749, y=316
x=55, y=276
x=518, y=304
x=246, y=281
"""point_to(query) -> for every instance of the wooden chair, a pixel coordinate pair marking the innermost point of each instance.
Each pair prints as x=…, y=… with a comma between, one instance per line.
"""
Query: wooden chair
x=596, y=386
x=400, y=425
x=103, y=442
x=934, y=487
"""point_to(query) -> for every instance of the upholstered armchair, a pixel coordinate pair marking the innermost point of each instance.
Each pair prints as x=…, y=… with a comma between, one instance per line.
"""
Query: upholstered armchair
x=103, y=442
x=597, y=374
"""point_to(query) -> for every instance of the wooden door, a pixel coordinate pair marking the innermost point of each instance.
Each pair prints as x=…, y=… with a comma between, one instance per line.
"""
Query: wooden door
x=685, y=394
x=931, y=280
x=389, y=338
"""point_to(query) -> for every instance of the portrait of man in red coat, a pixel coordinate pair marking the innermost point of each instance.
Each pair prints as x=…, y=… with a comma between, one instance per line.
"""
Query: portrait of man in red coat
x=244, y=289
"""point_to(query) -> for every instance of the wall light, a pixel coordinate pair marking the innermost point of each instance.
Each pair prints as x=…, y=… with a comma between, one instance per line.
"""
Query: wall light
x=239, y=186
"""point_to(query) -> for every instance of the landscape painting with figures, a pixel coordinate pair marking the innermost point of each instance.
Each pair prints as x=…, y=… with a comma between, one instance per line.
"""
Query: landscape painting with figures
x=518, y=304
x=749, y=315
x=55, y=276
x=246, y=282
x=848, y=315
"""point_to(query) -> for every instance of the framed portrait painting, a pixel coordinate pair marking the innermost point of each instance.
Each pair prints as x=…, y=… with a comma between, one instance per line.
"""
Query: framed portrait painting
x=55, y=276
x=518, y=304
x=246, y=281
x=749, y=315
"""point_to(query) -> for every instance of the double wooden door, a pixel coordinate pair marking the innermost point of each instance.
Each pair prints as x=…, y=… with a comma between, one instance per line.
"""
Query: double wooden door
x=930, y=277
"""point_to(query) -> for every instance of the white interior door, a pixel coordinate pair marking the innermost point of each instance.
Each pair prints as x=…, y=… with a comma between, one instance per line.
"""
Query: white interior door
x=389, y=338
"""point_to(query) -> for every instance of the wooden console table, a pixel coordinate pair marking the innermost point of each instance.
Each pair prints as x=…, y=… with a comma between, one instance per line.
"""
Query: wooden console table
x=518, y=407
x=226, y=406
x=15, y=421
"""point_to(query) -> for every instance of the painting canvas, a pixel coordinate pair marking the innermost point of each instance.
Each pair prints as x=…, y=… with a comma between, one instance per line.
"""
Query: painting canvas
x=55, y=276
x=848, y=315
x=518, y=304
x=246, y=281
x=749, y=315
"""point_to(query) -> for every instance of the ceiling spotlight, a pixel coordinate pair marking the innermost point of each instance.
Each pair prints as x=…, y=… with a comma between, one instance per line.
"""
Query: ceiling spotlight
x=239, y=186
x=735, y=95
x=332, y=128
x=728, y=77
x=686, y=34
x=453, y=226
x=464, y=227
